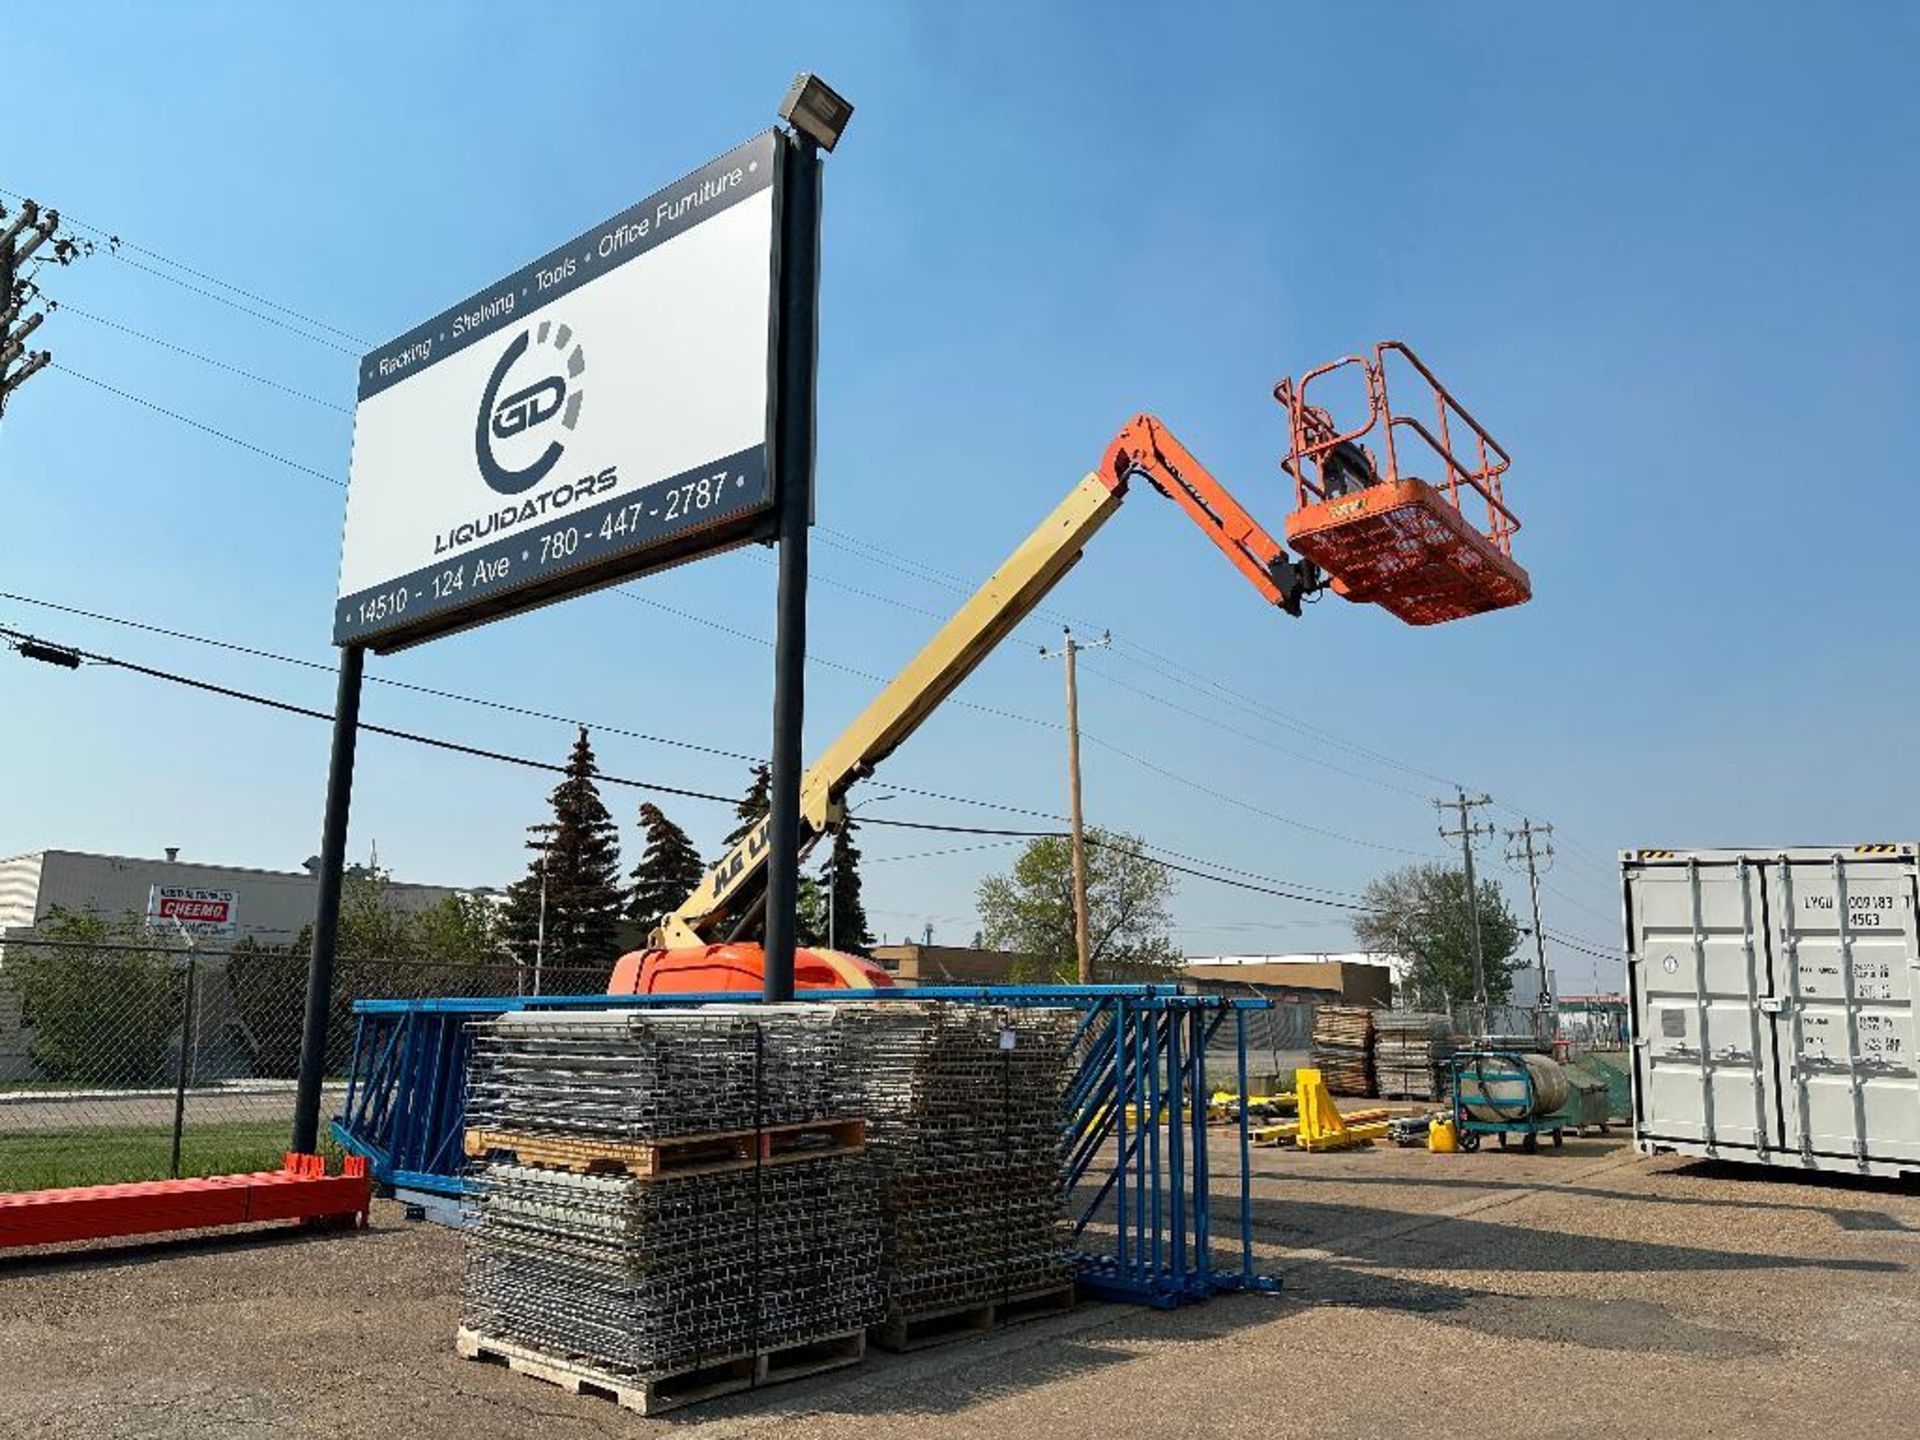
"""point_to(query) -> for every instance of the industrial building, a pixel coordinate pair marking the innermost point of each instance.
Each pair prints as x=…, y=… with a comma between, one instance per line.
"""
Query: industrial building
x=216, y=906
x=1350, y=977
x=952, y=964
x=239, y=902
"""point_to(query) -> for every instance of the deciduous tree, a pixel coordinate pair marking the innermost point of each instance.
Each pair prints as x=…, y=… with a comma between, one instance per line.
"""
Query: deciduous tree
x=1419, y=914
x=1030, y=909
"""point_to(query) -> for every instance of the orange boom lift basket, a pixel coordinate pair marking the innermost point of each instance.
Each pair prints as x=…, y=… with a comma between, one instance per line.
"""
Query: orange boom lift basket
x=1382, y=534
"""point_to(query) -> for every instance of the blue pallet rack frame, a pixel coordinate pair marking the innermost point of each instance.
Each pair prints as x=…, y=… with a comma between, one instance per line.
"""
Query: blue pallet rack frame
x=1135, y=1133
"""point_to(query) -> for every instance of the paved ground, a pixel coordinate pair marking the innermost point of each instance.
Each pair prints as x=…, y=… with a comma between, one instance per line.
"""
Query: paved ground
x=28, y=1111
x=1573, y=1293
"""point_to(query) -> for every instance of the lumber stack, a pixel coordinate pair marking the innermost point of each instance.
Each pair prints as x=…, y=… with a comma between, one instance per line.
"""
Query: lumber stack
x=658, y=1193
x=1342, y=1048
x=1411, y=1050
x=963, y=1108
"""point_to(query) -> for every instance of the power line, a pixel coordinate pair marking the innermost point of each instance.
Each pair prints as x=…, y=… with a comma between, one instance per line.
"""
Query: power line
x=947, y=579
x=1228, y=799
x=203, y=426
x=597, y=726
x=19, y=639
x=1206, y=719
x=839, y=539
x=1578, y=905
x=846, y=541
x=233, y=304
x=854, y=670
x=1086, y=735
x=16, y=638
x=1173, y=670
x=934, y=854
x=480, y=700
x=67, y=308
x=1593, y=948
x=258, y=653
x=120, y=246
x=999, y=712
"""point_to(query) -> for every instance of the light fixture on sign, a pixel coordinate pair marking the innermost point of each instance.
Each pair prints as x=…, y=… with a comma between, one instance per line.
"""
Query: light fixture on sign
x=816, y=109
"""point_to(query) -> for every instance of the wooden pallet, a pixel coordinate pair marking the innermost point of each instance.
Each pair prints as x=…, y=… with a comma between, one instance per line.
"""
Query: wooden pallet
x=938, y=1327
x=656, y=1394
x=676, y=1155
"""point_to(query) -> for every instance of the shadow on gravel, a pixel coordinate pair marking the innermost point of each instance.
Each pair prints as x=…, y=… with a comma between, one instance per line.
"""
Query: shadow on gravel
x=946, y=1380
x=1811, y=1181
x=161, y=1248
x=1845, y=1218
x=1627, y=1325
x=1443, y=1243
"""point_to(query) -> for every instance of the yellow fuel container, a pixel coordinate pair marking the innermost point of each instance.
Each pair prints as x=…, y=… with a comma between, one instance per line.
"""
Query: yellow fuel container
x=1441, y=1139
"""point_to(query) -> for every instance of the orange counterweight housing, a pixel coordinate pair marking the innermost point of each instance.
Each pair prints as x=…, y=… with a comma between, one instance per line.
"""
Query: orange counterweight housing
x=1383, y=535
x=738, y=966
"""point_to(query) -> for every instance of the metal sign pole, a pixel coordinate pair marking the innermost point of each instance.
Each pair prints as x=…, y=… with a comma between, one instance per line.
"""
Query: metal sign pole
x=326, y=916
x=793, y=471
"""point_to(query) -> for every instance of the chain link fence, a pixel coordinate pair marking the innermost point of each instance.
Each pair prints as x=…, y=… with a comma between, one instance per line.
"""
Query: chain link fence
x=122, y=1063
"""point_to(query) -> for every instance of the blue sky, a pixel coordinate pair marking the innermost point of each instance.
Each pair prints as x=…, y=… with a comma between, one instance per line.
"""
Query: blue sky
x=1666, y=254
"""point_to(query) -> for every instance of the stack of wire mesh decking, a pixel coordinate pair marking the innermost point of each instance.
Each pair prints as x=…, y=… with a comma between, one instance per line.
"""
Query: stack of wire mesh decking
x=691, y=1203
x=963, y=1107
x=1342, y=1048
x=1411, y=1050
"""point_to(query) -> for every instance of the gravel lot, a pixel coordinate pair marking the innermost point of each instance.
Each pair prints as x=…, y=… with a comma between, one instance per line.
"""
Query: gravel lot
x=1580, y=1292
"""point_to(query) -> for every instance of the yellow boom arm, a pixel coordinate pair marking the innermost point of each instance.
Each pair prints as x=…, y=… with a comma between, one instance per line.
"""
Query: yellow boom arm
x=730, y=896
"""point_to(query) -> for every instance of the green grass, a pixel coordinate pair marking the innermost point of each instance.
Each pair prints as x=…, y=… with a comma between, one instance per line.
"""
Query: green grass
x=40, y=1160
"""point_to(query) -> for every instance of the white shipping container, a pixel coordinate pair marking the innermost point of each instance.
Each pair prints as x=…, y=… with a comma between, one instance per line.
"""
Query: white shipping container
x=1773, y=1005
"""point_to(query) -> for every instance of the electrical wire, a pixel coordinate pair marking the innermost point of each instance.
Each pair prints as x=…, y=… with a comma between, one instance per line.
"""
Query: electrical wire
x=1165, y=666
x=64, y=308
x=17, y=638
x=198, y=425
x=117, y=246
x=1206, y=719
x=500, y=705
x=1228, y=799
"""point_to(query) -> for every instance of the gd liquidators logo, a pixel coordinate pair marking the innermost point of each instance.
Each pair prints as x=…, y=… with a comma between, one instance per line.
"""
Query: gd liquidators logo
x=507, y=434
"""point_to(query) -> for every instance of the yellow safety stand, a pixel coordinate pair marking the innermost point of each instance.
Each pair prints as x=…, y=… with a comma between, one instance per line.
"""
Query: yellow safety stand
x=1321, y=1125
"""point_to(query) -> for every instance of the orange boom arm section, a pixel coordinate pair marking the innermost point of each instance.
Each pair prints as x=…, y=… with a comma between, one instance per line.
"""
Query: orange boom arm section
x=1146, y=448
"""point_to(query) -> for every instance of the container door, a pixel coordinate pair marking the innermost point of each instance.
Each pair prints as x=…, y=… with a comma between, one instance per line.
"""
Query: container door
x=1704, y=1051
x=1845, y=939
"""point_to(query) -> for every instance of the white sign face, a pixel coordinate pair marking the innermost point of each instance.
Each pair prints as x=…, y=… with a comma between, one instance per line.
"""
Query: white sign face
x=602, y=412
x=190, y=910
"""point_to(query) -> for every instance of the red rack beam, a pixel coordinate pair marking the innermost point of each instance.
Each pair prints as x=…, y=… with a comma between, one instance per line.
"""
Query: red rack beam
x=300, y=1190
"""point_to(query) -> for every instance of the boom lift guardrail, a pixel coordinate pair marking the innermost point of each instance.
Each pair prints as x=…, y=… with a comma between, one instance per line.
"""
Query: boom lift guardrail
x=1373, y=553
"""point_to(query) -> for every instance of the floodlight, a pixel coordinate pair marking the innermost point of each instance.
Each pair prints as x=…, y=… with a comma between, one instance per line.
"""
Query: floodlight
x=816, y=109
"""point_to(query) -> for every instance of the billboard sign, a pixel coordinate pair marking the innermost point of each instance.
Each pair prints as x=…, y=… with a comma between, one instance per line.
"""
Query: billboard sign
x=194, y=911
x=602, y=412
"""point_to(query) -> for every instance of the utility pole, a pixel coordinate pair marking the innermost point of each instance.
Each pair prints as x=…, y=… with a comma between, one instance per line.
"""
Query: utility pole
x=1465, y=834
x=1068, y=650
x=28, y=229
x=1522, y=850
x=540, y=933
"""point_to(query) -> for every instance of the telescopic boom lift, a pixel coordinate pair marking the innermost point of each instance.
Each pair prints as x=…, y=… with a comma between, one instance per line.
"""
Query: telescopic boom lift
x=706, y=943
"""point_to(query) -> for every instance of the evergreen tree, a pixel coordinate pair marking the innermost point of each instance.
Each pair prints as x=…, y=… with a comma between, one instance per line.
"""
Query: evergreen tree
x=753, y=806
x=849, y=914
x=810, y=914
x=668, y=872
x=579, y=852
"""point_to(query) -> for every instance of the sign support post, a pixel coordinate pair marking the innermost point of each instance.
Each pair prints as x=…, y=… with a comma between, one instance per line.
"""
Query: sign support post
x=326, y=918
x=799, y=312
